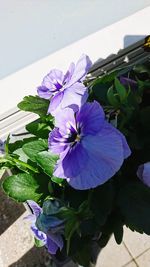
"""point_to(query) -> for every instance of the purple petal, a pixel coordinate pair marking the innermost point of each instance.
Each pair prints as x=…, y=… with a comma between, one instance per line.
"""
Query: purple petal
x=69, y=73
x=51, y=246
x=74, y=95
x=57, y=239
x=31, y=218
x=55, y=144
x=44, y=92
x=90, y=118
x=140, y=171
x=36, y=209
x=55, y=102
x=105, y=152
x=63, y=119
x=82, y=67
x=75, y=161
x=126, y=149
x=38, y=234
x=2, y=147
x=53, y=77
x=59, y=171
x=143, y=173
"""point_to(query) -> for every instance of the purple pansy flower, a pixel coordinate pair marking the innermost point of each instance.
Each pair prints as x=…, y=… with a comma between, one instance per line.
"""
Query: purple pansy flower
x=91, y=150
x=51, y=239
x=66, y=89
x=143, y=173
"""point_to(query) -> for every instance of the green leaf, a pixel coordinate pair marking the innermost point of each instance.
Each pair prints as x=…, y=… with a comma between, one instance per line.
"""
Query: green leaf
x=101, y=85
x=38, y=243
x=107, y=78
x=142, y=85
x=57, y=180
x=65, y=213
x=19, y=143
x=14, y=160
x=142, y=68
x=7, y=162
x=7, y=144
x=51, y=207
x=39, y=128
x=113, y=225
x=22, y=187
x=21, y=165
x=112, y=97
x=102, y=202
x=46, y=161
x=71, y=223
x=84, y=210
x=88, y=227
x=118, y=232
x=100, y=91
x=4, y=160
x=134, y=204
x=104, y=239
x=21, y=155
x=83, y=254
x=71, y=226
x=145, y=118
x=120, y=90
x=34, y=104
x=31, y=149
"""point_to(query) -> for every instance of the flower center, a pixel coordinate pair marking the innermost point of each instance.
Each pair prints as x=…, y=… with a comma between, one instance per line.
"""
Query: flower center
x=78, y=138
x=73, y=134
x=72, y=137
x=58, y=85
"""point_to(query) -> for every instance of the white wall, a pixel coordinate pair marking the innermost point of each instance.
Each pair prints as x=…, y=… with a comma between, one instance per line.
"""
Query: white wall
x=33, y=29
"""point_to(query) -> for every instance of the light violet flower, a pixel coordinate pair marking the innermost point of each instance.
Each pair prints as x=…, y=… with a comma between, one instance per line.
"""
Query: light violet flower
x=143, y=173
x=91, y=150
x=50, y=237
x=64, y=90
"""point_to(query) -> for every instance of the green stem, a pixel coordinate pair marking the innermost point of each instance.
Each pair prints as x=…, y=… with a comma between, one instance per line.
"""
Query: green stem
x=26, y=165
x=23, y=164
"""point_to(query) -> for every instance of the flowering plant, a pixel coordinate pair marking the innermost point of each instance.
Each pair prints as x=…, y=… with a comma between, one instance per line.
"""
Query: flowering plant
x=85, y=171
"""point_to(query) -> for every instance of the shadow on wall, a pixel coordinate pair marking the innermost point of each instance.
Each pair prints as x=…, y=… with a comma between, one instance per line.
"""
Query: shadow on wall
x=131, y=39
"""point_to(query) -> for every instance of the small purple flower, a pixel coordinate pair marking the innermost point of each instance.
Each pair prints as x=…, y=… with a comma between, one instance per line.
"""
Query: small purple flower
x=66, y=90
x=143, y=173
x=2, y=147
x=91, y=150
x=50, y=238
